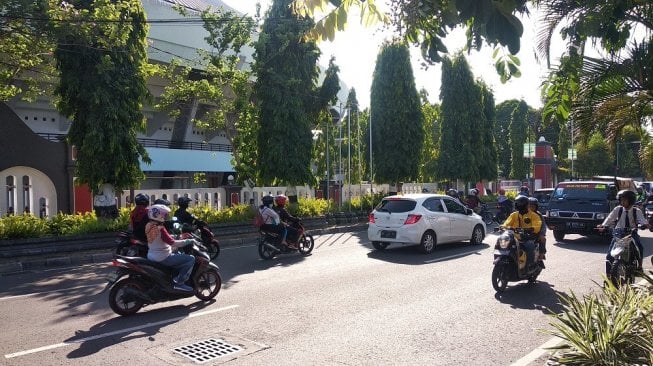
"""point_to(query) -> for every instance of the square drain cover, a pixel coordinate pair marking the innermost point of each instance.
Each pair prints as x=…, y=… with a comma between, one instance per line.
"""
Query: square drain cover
x=207, y=350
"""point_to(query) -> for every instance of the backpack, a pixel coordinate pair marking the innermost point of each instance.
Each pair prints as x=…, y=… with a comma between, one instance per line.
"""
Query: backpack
x=258, y=219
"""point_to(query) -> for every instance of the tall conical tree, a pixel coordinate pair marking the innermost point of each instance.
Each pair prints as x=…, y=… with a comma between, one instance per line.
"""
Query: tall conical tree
x=462, y=119
x=502, y=135
x=488, y=164
x=102, y=68
x=397, y=120
x=288, y=99
x=518, y=132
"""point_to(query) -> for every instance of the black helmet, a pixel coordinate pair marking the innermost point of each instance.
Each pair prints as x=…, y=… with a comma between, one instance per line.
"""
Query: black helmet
x=162, y=201
x=627, y=194
x=534, y=202
x=142, y=199
x=521, y=204
x=267, y=200
x=183, y=202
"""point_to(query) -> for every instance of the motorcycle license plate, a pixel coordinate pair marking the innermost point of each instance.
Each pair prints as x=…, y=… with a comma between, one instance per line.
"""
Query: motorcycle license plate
x=388, y=234
x=113, y=276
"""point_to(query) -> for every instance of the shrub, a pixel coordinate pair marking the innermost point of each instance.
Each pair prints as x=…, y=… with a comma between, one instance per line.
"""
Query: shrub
x=23, y=226
x=608, y=328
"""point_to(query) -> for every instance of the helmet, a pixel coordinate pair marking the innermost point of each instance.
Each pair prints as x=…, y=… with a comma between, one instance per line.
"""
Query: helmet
x=521, y=204
x=158, y=212
x=502, y=191
x=452, y=192
x=473, y=191
x=142, y=199
x=267, y=200
x=162, y=201
x=183, y=202
x=280, y=200
x=532, y=201
x=627, y=194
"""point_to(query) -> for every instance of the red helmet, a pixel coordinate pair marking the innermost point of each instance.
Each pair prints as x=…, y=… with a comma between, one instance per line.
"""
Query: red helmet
x=280, y=200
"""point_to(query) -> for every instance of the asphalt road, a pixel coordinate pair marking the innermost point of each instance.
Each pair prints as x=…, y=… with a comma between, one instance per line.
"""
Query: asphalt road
x=346, y=304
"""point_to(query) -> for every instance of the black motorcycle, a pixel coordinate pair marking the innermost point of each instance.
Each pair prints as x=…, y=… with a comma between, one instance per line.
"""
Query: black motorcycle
x=269, y=243
x=510, y=260
x=485, y=214
x=626, y=258
x=203, y=234
x=504, y=208
x=128, y=246
x=138, y=282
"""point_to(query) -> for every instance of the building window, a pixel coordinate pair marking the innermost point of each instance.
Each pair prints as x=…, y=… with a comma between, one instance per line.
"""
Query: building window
x=27, y=187
x=43, y=207
x=11, y=195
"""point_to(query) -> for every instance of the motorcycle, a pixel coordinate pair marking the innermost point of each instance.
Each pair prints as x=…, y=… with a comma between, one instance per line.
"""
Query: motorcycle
x=648, y=211
x=203, y=234
x=485, y=214
x=138, y=282
x=128, y=246
x=626, y=258
x=505, y=208
x=269, y=243
x=510, y=259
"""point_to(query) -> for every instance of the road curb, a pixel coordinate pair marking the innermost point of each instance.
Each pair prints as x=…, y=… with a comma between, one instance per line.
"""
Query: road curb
x=31, y=263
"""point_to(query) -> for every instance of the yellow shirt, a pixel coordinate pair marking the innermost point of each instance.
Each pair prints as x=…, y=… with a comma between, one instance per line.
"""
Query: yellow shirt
x=528, y=220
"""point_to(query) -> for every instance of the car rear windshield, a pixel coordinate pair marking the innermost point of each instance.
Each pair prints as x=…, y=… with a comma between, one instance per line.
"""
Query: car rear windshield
x=583, y=191
x=398, y=205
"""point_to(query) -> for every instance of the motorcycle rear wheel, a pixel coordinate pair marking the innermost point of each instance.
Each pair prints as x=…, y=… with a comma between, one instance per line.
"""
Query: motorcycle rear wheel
x=306, y=245
x=487, y=218
x=208, y=284
x=121, y=301
x=214, y=248
x=499, y=280
x=619, y=274
x=264, y=251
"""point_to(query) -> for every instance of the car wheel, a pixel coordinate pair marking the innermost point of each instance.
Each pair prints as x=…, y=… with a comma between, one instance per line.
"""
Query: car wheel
x=559, y=235
x=427, y=244
x=477, y=235
x=379, y=245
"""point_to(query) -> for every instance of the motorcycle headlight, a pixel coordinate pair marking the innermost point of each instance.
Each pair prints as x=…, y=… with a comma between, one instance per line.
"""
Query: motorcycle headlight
x=600, y=216
x=504, y=241
x=553, y=213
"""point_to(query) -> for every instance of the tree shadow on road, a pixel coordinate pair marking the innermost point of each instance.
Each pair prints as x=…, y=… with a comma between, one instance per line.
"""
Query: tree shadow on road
x=123, y=329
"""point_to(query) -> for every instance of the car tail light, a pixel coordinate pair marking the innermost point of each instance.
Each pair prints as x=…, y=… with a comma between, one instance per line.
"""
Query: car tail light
x=411, y=219
x=370, y=218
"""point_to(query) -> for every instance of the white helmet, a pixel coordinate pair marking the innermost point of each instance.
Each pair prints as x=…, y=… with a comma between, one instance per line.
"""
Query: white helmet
x=474, y=191
x=158, y=212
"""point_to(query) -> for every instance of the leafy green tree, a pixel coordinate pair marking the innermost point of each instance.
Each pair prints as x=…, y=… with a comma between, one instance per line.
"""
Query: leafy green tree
x=430, y=150
x=357, y=137
x=502, y=135
x=517, y=133
x=463, y=120
x=101, y=57
x=594, y=157
x=397, y=120
x=488, y=162
x=217, y=95
x=288, y=99
x=24, y=28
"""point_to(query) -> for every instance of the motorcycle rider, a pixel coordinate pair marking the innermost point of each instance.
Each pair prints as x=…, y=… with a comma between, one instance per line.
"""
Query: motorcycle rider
x=272, y=220
x=525, y=219
x=290, y=220
x=138, y=217
x=182, y=214
x=453, y=193
x=161, y=247
x=473, y=201
x=524, y=191
x=534, y=205
x=625, y=217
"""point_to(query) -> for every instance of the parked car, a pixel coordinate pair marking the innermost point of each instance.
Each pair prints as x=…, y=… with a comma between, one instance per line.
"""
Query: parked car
x=423, y=219
x=543, y=197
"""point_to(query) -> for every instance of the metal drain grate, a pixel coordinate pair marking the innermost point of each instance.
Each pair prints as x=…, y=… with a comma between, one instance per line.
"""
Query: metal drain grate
x=207, y=350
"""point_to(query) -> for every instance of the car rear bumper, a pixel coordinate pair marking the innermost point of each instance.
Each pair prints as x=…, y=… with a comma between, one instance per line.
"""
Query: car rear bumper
x=401, y=236
x=571, y=226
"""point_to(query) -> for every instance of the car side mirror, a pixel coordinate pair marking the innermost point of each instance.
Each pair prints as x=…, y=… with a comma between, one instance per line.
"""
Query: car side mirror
x=469, y=211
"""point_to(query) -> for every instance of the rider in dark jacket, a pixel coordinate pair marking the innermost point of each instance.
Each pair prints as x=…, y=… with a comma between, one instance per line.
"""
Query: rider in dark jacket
x=286, y=217
x=138, y=217
x=185, y=217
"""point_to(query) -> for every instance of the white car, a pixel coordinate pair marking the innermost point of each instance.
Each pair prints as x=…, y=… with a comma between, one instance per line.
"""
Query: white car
x=423, y=219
